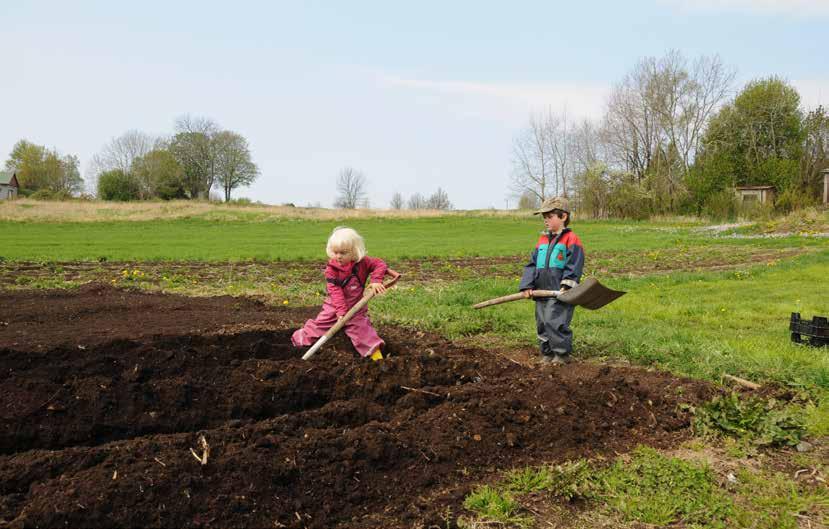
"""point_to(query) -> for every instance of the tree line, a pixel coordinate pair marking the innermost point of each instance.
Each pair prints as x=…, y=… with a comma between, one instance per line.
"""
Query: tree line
x=671, y=140
x=198, y=157
x=352, y=192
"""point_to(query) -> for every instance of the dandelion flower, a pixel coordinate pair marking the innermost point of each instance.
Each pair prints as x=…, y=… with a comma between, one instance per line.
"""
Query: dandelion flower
x=285, y=302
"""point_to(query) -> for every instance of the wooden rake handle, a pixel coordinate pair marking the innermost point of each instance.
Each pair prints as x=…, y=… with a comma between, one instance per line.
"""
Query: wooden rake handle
x=395, y=276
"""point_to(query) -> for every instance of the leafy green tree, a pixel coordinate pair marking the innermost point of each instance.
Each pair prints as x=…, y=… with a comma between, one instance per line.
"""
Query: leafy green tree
x=41, y=169
x=196, y=150
x=117, y=185
x=234, y=167
x=759, y=135
x=815, y=152
x=158, y=174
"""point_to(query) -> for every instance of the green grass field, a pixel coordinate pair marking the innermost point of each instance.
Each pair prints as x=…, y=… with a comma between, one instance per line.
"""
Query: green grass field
x=296, y=239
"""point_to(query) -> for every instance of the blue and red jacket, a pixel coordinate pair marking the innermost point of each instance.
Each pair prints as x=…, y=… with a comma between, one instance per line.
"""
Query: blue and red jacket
x=557, y=261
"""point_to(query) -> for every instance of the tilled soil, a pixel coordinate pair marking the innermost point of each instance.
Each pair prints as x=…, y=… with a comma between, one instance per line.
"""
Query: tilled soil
x=107, y=395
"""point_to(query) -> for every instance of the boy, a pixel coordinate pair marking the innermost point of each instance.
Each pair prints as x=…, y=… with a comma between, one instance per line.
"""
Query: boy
x=556, y=264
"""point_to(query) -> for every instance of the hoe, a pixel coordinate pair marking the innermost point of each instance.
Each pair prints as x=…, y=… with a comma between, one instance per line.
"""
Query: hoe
x=348, y=315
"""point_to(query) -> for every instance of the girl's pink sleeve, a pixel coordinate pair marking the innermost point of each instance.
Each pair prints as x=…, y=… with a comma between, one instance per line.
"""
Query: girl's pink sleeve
x=335, y=291
x=377, y=267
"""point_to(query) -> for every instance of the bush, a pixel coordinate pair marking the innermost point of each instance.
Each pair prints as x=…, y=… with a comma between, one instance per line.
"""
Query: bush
x=630, y=201
x=48, y=194
x=721, y=205
x=792, y=199
x=117, y=185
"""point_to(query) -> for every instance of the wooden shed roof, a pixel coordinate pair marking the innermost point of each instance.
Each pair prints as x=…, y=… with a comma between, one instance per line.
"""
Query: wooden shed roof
x=6, y=178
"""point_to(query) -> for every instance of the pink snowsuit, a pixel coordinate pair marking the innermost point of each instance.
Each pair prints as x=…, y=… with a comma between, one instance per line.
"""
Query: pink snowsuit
x=345, y=289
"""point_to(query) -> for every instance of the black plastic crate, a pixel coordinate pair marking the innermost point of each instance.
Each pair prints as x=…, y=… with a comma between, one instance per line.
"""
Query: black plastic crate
x=816, y=331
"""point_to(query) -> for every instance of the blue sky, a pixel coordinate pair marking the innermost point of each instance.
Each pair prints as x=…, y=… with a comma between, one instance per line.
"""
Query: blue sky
x=416, y=95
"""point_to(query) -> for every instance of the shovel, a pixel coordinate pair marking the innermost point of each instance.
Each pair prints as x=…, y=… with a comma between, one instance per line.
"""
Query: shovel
x=591, y=295
x=348, y=315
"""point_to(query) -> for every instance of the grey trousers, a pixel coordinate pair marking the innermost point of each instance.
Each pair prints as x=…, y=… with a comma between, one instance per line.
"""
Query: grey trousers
x=552, y=319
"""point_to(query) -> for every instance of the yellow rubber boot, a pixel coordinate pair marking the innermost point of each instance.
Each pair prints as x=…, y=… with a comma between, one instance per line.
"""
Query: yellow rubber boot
x=376, y=355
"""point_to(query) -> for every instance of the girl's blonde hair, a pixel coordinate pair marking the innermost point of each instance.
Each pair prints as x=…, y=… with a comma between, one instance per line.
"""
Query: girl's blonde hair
x=346, y=239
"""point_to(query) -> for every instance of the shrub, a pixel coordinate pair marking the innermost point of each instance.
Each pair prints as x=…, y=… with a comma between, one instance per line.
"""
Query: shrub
x=117, y=185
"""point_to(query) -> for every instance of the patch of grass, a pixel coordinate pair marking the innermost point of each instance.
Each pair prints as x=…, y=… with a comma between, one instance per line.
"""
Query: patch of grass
x=529, y=479
x=763, y=422
x=773, y=501
x=655, y=489
x=648, y=487
x=493, y=505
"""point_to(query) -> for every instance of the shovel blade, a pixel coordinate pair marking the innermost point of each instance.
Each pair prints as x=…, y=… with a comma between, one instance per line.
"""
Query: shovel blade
x=591, y=295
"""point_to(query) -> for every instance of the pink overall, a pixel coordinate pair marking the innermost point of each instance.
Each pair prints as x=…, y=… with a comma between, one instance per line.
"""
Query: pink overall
x=345, y=289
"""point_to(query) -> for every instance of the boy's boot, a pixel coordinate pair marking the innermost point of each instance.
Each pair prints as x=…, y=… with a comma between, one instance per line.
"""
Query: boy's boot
x=547, y=356
x=561, y=358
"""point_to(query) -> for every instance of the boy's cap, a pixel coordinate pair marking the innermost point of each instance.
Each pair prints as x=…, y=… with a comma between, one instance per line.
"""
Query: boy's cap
x=550, y=204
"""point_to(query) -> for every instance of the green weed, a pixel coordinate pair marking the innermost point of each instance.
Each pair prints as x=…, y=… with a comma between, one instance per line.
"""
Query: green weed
x=496, y=506
x=527, y=480
x=763, y=422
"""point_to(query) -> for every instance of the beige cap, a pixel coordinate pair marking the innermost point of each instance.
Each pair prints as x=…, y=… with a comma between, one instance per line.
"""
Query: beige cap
x=550, y=204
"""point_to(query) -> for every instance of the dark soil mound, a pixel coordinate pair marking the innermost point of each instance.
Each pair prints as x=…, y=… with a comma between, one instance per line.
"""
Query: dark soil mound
x=105, y=434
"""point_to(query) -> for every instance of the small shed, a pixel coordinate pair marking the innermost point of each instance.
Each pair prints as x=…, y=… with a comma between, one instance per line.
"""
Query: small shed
x=759, y=194
x=9, y=187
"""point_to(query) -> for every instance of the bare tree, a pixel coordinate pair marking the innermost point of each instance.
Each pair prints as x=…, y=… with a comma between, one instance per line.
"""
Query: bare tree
x=120, y=153
x=663, y=105
x=351, y=189
x=397, y=201
x=416, y=201
x=656, y=116
x=234, y=167
x=531, y=164
x=439, y=200
x=587, y=147
x=542, y=157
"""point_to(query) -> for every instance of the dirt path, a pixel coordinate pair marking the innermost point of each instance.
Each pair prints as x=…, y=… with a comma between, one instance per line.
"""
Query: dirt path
x=106, y=391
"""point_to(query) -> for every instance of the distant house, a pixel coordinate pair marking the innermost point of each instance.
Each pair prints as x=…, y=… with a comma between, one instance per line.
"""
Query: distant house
x=761, y=194
x=9, y=187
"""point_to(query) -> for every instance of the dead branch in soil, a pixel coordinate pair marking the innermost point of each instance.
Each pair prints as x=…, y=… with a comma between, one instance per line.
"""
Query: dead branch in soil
x=47, y=401
x=742, y=382
x=205, y=451
x=421, y=391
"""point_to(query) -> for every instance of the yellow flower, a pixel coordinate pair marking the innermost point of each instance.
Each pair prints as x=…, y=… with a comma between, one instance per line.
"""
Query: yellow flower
x=285, y=302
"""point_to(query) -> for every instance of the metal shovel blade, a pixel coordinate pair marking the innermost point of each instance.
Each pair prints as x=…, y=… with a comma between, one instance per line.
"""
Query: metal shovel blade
x=591, y=295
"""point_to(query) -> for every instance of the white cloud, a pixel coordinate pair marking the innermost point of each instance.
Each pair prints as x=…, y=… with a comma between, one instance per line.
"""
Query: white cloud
x=760, y=7
x=512, y=100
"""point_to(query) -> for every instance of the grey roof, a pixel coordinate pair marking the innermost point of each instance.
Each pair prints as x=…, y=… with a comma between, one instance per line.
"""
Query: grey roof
x=6, y=177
